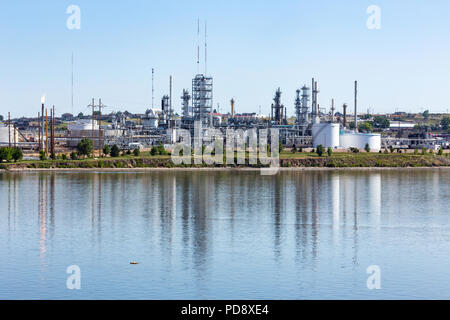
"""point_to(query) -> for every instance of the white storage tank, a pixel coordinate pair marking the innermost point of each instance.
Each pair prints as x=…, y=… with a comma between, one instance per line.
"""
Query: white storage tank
x=82, y=125
x=4, y=135
x=359, y=140
x=326, y=134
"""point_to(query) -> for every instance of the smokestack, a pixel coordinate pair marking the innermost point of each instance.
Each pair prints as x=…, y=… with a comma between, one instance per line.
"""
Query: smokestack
x=9, y=129
x=53, y=130
x=42, y=125
x=46, y=133
x=170, y=100
x=39, y=131
x=332, y=110
x=232, y=107
x=356, y=105
x=313, y=100
x=345, y=115
x=317, y=106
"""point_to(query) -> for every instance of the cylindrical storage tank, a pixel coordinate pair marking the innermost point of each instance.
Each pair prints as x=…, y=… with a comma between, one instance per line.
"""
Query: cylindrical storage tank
x=360, y=140
x=5, y=136
x=326, y=134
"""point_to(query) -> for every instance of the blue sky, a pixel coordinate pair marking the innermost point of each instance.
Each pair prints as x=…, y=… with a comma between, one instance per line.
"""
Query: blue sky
x=254, y=48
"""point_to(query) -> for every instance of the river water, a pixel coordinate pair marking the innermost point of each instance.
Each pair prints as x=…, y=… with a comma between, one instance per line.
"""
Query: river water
x=225, y=235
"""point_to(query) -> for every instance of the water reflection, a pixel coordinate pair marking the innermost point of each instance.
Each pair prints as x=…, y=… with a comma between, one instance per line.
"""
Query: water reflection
x=200, y=203
x=196, y=223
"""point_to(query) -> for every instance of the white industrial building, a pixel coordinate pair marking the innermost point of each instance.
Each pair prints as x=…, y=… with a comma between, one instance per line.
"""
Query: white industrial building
x=151, y=119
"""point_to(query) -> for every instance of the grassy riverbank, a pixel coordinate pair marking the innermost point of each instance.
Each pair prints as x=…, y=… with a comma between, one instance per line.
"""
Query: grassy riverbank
x=287, y=160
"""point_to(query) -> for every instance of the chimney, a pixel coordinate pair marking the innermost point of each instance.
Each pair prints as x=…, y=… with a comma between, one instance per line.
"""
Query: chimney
x=232, y=108
x=345, y=115
x=356, y=105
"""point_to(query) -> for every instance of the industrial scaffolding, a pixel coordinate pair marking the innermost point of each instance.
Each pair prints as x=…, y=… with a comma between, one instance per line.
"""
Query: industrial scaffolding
x=202, y=97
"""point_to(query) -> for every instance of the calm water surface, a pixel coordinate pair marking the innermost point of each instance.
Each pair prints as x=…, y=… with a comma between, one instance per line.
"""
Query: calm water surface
x=222, y=235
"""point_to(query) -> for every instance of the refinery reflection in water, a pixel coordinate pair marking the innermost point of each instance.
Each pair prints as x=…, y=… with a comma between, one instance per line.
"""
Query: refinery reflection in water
x=225, y=235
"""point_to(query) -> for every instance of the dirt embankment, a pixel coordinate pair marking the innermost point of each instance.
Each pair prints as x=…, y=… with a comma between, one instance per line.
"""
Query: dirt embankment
x=340, y=161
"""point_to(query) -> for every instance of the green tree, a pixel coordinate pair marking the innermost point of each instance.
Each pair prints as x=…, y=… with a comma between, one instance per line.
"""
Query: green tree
x=424, y=151
x=17, y=154
x=426, y=114
x=381, y=122
x=115, y=151
x=162, y=151
x=366, y=126
x=154, y=151
x=294, y=149
x=1, y=118
x=42, y=155
x=73, y=155
x=5, y=154
x=445, y=123
x=280, y=146
x=64, y=156
x=367, y=147
x=441, y=151
x=136, y=152
x=320, y=150
x=416, y=152
x=106, y=150
x=85, y=147
x=330, y=152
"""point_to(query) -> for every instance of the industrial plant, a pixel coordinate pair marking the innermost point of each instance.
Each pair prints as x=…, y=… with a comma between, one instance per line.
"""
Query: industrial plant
x=310, y=126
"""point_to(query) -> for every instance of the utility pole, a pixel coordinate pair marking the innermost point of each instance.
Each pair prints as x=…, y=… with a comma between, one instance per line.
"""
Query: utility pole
x=46, y=134
x=9, y=129
x=92, y=129
x=72, y=82
x=100, y=106
x=53, y=135
x=100, y=134
x=14, y=126
x=356, y=106
x=39, y=131
x=52, y=131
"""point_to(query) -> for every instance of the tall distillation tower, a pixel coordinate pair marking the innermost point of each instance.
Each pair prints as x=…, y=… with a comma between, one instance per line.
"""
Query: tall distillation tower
x=277, y=108
x=202, y=97
x=186, y=98
x=202, y=88
x=301, y=108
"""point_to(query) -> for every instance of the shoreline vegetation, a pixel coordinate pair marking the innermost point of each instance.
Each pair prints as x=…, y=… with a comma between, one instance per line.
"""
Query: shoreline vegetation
x=288, y=160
